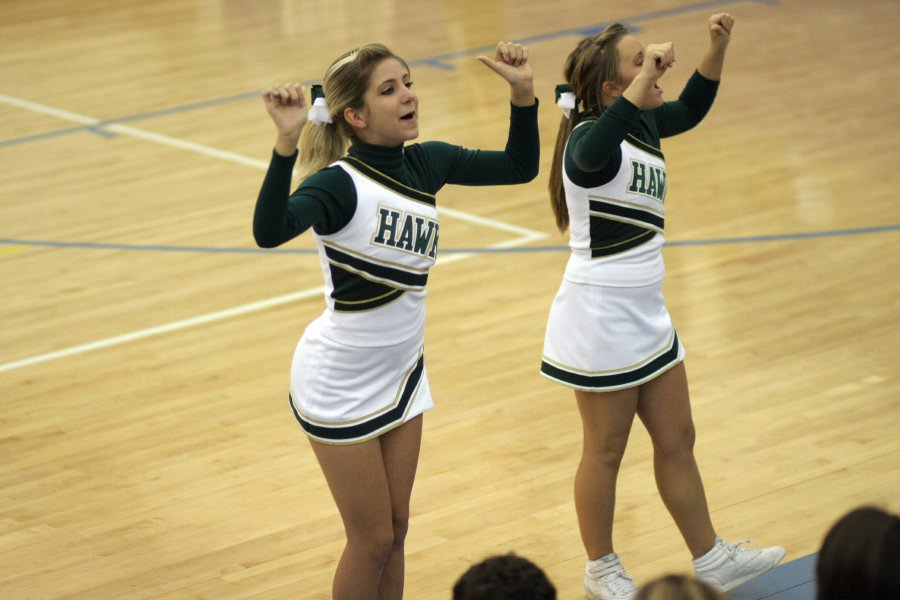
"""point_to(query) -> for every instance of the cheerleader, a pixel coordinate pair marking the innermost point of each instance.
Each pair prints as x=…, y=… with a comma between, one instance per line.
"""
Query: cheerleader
x=609, y=336
x=358, y=380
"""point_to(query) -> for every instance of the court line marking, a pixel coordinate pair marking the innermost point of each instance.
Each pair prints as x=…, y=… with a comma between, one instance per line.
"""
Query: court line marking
x=133, y=132
x=441, y=62
x=460, y=254
x=15, y=247
x=229, y=156
x=19, y=245
x=160, y=329
x=218, y=315
x=524, y=236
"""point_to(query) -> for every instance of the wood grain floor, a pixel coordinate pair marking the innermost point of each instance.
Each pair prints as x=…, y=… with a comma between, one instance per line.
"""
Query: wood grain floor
x=146, y=445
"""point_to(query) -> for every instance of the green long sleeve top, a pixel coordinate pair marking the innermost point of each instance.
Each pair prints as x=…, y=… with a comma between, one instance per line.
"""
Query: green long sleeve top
x=594, y=152
x=326, y=200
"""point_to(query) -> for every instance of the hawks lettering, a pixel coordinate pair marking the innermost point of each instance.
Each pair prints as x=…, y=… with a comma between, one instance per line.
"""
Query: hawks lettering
x=647, y=180
x=408, y=232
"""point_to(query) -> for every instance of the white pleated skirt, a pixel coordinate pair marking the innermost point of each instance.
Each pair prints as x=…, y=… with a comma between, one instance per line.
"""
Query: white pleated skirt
x=603, y=338
x=344, y=394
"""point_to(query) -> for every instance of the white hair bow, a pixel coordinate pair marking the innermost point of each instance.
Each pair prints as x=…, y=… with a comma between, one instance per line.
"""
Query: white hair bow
x=566, y=102
x=318, y=112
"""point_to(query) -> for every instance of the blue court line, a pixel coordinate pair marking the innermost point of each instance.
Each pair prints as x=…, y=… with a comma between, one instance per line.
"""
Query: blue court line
x=474, y=250
x=99, y=125
x=441, y=61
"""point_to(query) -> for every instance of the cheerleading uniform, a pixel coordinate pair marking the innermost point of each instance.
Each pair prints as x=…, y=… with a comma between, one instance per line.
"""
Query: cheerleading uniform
x=358, y=370
x=608, y=327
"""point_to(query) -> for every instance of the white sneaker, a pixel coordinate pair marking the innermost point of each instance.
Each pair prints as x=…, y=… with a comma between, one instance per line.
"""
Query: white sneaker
x=606, y=579
x=727, y=566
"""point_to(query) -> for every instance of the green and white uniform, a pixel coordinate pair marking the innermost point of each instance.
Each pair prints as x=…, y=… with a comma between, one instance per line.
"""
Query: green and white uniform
x=608, y=327
x=358, y=369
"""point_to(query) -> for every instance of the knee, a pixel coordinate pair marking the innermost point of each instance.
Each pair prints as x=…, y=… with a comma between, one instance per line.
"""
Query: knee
x=379, y=541
x=375, y=543
x=382, y=540
x=611, y=457
x=677, y=442
x=607, y=452
x=400, y=529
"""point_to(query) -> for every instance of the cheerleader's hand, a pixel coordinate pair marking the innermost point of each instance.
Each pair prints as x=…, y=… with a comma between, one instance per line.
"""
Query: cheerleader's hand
x=720, y=25
x=286, y=105
x=510, y=61
x=658, y=58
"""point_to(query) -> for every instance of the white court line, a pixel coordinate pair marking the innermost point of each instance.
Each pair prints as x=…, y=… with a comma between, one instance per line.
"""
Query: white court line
x=525, y=236
x=220, y=315
x=133, y=132
x=48, y=110
x=166, y=140
x=185, y=145
x=492, y=223
x=160, y=329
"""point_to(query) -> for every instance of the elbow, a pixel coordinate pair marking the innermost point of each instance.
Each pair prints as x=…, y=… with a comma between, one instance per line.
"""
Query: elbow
x=529, y=169
x=529, y=175
x=264, y=243
x=264, y=239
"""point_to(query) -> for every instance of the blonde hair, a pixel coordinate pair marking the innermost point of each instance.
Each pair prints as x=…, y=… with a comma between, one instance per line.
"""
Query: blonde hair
x=594, y=60
x=678, y=587
x=345, y=84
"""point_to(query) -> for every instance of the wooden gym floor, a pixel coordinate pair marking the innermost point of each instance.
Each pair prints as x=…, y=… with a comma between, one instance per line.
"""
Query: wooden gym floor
x=146, y=446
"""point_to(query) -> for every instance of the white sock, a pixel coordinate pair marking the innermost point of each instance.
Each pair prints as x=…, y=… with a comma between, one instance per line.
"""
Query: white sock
x=710, y=557
x=604, y=565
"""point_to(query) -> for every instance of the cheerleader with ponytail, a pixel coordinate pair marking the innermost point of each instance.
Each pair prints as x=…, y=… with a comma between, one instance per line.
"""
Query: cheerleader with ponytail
x=358, y=385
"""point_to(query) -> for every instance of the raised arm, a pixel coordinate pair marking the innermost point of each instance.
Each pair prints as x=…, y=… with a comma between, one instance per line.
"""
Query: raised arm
x=519, y=161
x=510, y=61
x=720, y=26
x=286, y=105
x=697, y=97
x=277, y=218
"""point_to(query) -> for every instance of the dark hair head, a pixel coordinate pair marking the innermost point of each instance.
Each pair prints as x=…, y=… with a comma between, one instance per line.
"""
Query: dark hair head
x=504, y=577
x=860, y=557
x=593, y=61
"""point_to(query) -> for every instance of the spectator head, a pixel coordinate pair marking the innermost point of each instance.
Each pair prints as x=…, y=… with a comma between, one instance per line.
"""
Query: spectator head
x=504, y=577
x=860, y=557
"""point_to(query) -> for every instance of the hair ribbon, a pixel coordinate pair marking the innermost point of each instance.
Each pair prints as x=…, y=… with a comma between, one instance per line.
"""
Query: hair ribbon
x=319, y=112
x=565, y=99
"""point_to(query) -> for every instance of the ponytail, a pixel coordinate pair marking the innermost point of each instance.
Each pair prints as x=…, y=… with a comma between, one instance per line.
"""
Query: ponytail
x=557, y=190
x=320, y=145
x=593, y=61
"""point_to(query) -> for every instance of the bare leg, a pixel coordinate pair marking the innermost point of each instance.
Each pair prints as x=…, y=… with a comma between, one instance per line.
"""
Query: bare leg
x=360, y=477
x=606, y=419
x=665, y=409
x=400, y=448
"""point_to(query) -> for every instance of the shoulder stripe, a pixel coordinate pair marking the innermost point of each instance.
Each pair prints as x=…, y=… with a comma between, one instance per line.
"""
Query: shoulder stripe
x=585, y=122
x=644, y=146
x=388, y=181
